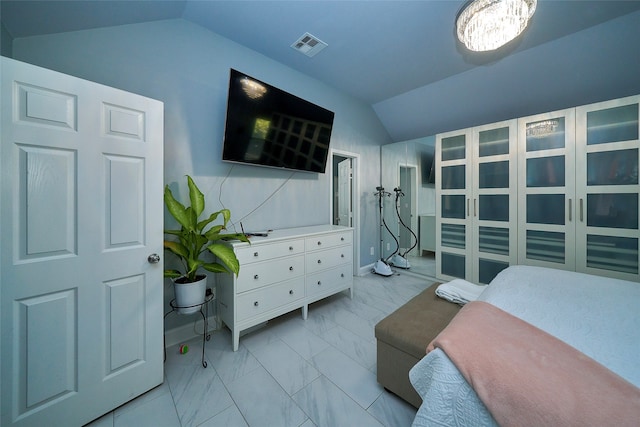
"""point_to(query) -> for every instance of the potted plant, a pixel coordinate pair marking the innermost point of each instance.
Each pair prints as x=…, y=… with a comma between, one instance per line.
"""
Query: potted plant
x=194, y=241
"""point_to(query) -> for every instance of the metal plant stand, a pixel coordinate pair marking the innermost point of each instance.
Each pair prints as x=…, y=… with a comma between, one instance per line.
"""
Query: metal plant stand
x=206, y=336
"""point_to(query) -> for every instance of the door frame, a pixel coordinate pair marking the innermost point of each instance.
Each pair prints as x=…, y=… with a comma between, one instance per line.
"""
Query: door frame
x=411, y=172
x=355, y=206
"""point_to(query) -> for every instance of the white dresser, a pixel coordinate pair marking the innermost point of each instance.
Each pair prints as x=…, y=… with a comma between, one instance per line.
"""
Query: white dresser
x=287, y=270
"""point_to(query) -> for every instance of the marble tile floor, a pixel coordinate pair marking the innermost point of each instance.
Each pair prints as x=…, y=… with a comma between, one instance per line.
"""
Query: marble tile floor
x=424, y=265
x=291, y=372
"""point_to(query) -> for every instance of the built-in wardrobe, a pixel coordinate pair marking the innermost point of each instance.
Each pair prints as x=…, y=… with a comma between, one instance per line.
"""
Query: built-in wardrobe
x=558, y=190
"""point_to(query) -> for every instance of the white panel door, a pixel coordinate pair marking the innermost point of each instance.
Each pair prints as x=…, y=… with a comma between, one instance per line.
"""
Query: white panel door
x=81, y=211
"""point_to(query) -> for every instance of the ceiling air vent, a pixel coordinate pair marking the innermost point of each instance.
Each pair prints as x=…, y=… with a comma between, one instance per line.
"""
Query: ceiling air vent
x=309, y=45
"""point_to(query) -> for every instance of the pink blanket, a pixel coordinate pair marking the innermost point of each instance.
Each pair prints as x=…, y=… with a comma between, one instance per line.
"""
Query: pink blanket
x=526, y=377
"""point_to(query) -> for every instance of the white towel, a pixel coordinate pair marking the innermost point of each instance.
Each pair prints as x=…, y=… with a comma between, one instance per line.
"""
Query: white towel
x=459, y=291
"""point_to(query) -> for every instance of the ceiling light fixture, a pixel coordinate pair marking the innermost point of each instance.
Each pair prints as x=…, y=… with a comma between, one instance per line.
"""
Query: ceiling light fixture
x=484, y=25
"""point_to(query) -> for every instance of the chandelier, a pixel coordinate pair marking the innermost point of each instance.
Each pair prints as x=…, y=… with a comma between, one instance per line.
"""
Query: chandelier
x=484, y=25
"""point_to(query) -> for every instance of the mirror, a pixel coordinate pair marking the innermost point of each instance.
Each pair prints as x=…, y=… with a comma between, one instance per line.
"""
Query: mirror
x=409, y=206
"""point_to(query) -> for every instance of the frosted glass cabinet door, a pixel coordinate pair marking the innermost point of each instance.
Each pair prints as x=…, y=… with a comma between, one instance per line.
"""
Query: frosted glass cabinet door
x=494, y=201
x=546, y=190
x=453, y=199
x=607, y=187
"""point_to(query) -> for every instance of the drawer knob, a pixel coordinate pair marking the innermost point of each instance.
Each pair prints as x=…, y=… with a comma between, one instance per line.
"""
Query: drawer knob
x=290, y=248
x=255, y=254
x=342, y=275
x=319, y=283
x=291, y=268
x=291, y=292
x=255, y=277
x=342, y=239
x=319, y=261
x=255, y=303
x=319, y=243
x=341, y=255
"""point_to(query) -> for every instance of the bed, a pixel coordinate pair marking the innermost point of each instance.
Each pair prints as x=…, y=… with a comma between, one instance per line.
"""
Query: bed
x=593, y=316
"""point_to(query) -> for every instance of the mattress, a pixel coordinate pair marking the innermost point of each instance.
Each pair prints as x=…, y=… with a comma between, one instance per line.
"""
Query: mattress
x=595, y=315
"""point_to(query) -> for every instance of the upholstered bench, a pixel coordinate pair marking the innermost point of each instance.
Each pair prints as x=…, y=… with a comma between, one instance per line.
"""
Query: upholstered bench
x=402, y=338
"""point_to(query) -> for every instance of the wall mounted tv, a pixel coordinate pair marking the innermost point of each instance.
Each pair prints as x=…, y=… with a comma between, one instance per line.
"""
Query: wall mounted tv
x=266, y=126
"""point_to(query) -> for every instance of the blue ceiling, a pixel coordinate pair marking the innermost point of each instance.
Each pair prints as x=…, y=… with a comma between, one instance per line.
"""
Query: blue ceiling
x=401, y=57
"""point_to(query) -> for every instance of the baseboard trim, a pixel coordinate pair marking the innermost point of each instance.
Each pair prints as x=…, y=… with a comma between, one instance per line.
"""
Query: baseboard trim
x=363, y=271
x=189, y=331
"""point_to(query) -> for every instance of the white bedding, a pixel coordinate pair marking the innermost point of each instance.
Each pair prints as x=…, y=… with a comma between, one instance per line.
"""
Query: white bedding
x=595, y=315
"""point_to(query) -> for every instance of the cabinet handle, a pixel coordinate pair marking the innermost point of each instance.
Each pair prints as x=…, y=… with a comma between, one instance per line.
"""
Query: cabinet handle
x=319, y=261
x=569, y=210
x=468, y=207
x=474, y=208
x=290, y=248
x=255, y=254
x=255, y=304
x=581, y=211
x=291, y=268
x=341, y=255
x=319, y=283
x=319, y=243
x=342, y=239
x=290, y=291
x=255, y=277
x=342, y=275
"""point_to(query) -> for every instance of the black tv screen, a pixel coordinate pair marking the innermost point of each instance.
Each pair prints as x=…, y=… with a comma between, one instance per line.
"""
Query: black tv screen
x=267, y=126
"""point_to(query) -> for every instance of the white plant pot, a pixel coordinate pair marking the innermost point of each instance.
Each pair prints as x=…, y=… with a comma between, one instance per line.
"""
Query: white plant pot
x=190, y=296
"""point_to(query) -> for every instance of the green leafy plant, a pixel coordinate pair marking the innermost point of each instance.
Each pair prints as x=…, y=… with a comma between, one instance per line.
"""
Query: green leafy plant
x=195, y=238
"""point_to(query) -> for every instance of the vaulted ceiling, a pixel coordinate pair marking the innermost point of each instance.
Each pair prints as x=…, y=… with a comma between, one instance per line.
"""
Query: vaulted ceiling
x=380, y=52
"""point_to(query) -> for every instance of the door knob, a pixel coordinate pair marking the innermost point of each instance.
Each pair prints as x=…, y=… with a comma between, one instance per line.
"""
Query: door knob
x=153, y=258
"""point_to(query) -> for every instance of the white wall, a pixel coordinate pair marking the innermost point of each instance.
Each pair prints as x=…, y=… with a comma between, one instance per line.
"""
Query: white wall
x=187, y=67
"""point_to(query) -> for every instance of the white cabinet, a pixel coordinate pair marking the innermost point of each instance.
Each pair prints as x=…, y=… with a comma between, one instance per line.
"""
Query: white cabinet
x=287, y=270
x=476, y=207
x=565, y=196
x=453, y=195
x=607, y=188
x=546, y=168
x=427, y=229
x=579, y=181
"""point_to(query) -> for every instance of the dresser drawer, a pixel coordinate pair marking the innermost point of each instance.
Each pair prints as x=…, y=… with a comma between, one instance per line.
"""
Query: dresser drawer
x=257, y=275
x=258, y=252
x=318, y=283
x=324, y=241
x=260, y=301
x=322, y=260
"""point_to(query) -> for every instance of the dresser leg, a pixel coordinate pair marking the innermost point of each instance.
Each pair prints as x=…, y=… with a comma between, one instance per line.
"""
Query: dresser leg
x=236, y=339
x=305, y=311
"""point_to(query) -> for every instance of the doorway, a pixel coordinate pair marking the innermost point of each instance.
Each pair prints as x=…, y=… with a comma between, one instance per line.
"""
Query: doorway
x=344, y=193
x=407, y=210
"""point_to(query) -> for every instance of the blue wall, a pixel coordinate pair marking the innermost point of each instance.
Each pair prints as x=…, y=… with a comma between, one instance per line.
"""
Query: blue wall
x=187, y=67
x=5, y=42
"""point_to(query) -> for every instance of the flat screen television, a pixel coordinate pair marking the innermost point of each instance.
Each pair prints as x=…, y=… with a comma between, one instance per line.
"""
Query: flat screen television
x=266, y=126
x=427, y=165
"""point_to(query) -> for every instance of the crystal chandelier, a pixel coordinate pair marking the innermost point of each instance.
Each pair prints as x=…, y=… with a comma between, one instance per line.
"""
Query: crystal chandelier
x=484, y=25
